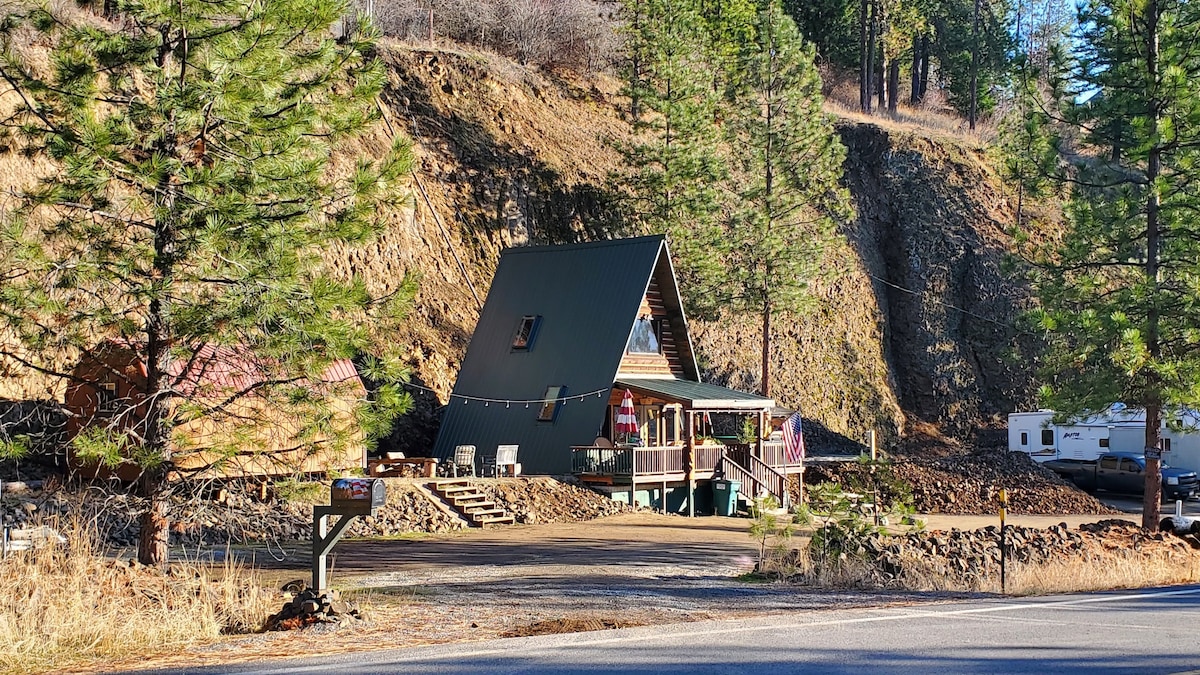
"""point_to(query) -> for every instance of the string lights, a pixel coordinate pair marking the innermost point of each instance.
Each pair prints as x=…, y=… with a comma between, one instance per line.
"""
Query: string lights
x=486, y=400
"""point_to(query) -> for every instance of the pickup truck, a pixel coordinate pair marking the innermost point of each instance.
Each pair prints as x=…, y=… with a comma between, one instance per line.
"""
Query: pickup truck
x=1124, y=472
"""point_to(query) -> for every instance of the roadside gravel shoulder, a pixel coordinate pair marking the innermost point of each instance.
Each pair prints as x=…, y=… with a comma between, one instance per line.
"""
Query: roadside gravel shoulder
x=624, y=570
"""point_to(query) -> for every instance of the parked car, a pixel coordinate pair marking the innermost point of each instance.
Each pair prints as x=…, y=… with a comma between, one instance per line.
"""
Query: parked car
x=1124, y=472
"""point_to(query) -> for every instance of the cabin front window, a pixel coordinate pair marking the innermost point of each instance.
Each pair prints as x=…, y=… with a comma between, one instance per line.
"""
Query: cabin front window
x=646, y=337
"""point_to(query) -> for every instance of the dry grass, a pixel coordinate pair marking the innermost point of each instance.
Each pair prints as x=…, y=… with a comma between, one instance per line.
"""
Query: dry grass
x=933, y=124
x=1102, y=573
x=70, y=605
x=1098, y=571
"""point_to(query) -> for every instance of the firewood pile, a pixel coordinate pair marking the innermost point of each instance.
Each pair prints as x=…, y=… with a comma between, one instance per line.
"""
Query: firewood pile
x=309, y=607
x=967, y=555
x=970, y=484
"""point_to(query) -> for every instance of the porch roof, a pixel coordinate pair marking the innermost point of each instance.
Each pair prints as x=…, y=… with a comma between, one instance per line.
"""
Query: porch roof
x=696, y=395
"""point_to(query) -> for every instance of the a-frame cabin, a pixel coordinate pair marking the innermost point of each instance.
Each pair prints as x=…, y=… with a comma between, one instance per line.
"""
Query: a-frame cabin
x=565, y=331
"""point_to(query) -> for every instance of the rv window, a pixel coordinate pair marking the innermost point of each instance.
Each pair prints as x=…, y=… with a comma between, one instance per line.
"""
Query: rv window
x=1047, y=437
x=1166, y=445
x=1109, y=463
x=1104, y=442
x=1024, y=438
x=551, y=402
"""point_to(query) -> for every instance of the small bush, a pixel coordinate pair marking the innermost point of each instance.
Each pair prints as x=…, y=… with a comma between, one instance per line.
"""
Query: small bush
x=773, y=536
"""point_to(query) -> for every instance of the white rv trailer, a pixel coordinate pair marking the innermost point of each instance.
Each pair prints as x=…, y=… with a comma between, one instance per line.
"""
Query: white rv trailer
x=1119, y=429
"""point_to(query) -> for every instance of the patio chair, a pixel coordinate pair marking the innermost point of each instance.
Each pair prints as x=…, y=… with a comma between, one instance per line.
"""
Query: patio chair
x=505, y=458
x=464, y=456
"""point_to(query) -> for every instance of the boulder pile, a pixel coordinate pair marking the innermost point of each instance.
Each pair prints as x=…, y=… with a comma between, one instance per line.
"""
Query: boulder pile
x=407, y=510
x=309, y=607
x=546, y=500
x=968, y=555
x=240, y=512
x=970, y=484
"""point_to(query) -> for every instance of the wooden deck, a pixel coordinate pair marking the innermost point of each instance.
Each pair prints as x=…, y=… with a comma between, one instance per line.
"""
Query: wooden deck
x=621, y=466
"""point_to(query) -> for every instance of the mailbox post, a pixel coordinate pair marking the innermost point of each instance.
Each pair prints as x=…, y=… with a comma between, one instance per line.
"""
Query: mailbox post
x=348, y=498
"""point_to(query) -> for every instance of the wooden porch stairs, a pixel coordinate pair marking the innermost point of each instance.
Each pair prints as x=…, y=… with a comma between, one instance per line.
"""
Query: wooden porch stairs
x=464, y=497
x=756, y=477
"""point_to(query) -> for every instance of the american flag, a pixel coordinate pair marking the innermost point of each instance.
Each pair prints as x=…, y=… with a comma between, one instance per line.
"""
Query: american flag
x=793, y=438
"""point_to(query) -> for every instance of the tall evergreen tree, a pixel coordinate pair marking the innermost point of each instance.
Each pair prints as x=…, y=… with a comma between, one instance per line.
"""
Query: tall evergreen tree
x=1121, y=306
x=190, y=194
x=675, y=167
x=973, y=62
x=788, y=192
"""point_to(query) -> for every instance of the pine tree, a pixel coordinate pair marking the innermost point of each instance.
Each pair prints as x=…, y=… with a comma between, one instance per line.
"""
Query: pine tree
x=675, y=168
x=1120, y=304
x=191, y=193
x=788, y=195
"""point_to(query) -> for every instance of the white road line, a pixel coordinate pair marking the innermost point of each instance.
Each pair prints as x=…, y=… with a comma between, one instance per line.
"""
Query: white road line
x=775, y=626
x=1052, y=622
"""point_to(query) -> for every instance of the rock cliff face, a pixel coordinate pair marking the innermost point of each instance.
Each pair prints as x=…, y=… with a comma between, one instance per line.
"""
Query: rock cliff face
x=911, y=323
x=913, y=320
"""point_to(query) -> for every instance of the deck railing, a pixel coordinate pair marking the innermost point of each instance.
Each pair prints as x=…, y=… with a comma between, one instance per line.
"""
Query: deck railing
x=708, y=457
x=642, y=461
x=607, y=461
x=774, y=454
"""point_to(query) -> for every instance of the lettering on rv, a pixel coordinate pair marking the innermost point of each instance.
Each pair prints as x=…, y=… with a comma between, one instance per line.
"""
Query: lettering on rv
x=1072, y=434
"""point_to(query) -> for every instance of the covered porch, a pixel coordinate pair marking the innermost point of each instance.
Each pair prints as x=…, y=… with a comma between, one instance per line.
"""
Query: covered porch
x=674, y=450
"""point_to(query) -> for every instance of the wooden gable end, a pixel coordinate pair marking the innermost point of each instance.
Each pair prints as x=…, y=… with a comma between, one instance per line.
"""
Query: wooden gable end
x=667, y=361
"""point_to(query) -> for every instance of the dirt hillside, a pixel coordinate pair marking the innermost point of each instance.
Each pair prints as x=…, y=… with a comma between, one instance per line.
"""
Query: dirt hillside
x=910, y=324
x=911, y=320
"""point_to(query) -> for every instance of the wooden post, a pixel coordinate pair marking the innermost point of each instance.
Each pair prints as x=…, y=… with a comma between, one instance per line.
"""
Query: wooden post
x=430, y=24
x=689, y=450
x=758, y=445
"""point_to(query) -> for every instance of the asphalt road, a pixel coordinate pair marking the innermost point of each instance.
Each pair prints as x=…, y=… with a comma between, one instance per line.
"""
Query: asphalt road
x=1152, y=631
x=1132, y=504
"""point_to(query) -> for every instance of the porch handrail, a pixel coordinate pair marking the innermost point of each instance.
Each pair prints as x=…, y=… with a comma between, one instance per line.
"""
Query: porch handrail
x=754, y=473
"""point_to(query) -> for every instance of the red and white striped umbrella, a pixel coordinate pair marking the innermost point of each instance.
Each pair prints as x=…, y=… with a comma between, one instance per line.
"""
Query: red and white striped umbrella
x=626, y=416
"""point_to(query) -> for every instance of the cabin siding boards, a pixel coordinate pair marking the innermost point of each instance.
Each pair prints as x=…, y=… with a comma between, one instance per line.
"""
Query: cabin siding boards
x=667, y=362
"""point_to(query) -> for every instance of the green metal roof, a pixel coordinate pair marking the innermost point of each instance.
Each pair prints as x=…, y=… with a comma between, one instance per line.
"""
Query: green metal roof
x=587, y=296
x=697, y=395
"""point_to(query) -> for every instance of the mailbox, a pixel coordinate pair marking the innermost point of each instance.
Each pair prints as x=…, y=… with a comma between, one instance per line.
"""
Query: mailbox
x=348, y=498
x=357, y=496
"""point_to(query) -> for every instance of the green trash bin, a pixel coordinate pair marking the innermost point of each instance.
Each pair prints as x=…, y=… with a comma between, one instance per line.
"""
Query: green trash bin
x=725, y=493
